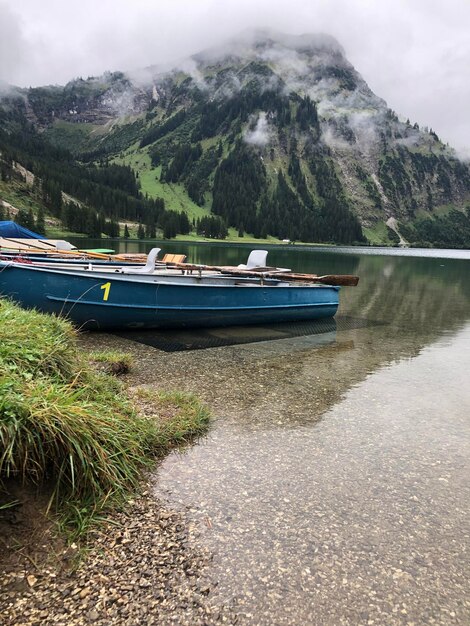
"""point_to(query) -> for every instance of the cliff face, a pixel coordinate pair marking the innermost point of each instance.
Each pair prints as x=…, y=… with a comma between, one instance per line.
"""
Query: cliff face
x=317, y=139
x=93, y=101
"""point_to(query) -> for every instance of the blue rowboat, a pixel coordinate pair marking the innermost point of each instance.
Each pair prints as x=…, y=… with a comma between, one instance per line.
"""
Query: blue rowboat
x=164, y=299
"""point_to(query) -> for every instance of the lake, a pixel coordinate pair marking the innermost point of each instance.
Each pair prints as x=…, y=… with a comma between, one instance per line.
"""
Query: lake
x=333, y=486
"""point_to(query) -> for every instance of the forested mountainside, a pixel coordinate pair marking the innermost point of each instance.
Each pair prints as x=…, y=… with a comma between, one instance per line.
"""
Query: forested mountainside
x=271, y=135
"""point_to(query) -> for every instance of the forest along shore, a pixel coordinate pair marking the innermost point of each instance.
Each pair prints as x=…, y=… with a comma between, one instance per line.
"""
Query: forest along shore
x=107, y=552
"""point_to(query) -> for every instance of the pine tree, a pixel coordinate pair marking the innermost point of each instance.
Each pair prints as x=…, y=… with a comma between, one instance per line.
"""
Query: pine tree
x=171, y=224
x=25, y=218
x=126, y=232
x=41, y=223
x=150, y=230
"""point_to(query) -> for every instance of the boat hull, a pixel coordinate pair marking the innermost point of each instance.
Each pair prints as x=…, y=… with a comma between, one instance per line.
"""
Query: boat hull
x=124, y=302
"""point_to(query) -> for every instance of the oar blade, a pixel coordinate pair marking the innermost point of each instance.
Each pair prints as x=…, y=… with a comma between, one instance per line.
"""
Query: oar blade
x=340, y=280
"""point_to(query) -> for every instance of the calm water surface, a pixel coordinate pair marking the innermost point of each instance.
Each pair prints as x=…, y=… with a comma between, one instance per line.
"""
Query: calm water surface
x=333, y=487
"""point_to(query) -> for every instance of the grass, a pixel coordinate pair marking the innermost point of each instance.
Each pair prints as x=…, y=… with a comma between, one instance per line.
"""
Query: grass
x=66, y=425
x=20, y=195
x=113, y=361
x=174, y=194
x=378, y=234
x=185, y=416
x=33, y=344
x=439, y=211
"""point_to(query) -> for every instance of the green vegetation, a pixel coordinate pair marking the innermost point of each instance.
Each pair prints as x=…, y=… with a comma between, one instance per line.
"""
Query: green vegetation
x=174, y=195
x=101, y=195
x=378, y=234
x=65, y=424
x=198, y=159
x=187, y=418
x=113, y=361
x=160, y=130
x=243, y=155
x=411, y=179
x=19, y=194
x=451, y=230
x=369, y=186
x=69, y=136
x=113, y=138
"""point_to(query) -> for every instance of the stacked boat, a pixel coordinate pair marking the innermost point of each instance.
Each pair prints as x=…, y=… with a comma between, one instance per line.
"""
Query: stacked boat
x=115, y=294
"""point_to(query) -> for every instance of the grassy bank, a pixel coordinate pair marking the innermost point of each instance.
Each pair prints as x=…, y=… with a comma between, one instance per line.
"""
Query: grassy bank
x=67, y=425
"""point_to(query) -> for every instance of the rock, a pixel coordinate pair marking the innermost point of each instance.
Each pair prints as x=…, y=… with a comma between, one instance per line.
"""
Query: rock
x=32, y=580
x=153, y=577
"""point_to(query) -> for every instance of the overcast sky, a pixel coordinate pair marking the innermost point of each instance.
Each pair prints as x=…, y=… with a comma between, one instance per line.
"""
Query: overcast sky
x=413, y=53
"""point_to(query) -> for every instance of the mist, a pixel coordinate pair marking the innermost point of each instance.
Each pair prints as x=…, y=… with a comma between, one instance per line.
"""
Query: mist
x=413, y=55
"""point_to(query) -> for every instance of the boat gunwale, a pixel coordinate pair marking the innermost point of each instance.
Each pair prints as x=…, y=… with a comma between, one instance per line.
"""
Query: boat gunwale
x=145, y=279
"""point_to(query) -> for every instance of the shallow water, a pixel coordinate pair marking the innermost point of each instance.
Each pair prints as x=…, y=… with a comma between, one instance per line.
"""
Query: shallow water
x=333, y=487
x=338, y=515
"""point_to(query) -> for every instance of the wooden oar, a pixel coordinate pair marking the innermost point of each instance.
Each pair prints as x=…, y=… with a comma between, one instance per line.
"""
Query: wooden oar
x=29, y=245
x=45, y=247
x=34, y=250
x=336, y=280
x=341, y=280
x=92, y=255
x=47, y=252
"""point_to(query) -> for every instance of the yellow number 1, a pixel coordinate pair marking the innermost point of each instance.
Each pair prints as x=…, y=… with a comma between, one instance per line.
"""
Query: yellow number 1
x=106, y=287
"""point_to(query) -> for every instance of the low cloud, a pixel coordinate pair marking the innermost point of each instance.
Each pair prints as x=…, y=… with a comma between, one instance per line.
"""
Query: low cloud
x=260, y=135
x=413, y=54
x=13, y=46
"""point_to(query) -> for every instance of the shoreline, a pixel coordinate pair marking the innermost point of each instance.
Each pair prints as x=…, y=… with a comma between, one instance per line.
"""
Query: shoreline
x=140, y=563
x=144, y=566
x=451, y=253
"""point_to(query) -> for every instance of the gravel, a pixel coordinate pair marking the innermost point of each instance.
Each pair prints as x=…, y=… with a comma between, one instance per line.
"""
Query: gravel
x=142, y=567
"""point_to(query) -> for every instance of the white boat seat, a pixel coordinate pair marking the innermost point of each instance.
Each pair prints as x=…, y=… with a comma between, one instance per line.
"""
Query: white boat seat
x=148, y=268
x=257, y=258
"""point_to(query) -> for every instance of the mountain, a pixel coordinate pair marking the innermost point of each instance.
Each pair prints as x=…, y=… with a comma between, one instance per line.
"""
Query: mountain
x=271, y=134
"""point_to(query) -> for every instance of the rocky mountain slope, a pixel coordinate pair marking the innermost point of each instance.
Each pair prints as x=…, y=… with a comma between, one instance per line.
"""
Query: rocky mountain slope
x=278, y=135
